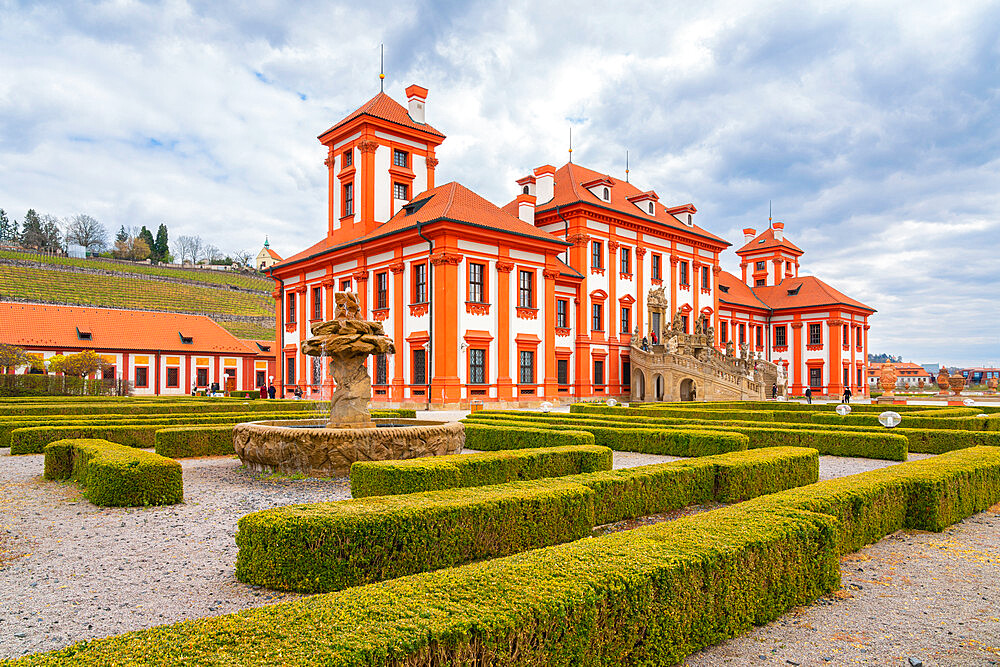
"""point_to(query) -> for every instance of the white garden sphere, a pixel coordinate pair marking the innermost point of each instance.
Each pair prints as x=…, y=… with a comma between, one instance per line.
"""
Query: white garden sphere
x=889, y=419
x=612, y=402
x=545, y=407
x=983, y=415
x=843, y=409
x=968, y=401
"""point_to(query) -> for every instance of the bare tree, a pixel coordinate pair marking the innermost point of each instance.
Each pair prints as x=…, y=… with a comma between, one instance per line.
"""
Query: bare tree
x=86, y=231
x=244, y=257
x=197, y=249
x=212, y=253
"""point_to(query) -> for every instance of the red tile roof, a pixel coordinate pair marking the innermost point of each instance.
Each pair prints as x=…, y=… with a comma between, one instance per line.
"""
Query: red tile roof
x=569, y=189
x=765, y=241
x=451, y=201
x=45, y=326
x=384, y=107
x=272, y=254
x=810, y=291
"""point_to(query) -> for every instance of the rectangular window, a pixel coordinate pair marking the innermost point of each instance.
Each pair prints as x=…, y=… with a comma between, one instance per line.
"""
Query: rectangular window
x=845, y=336
x=760, y=336
x=779, y=336
x=598, y=371
x=477, y=283
x=201, y=377
x=348, y=158
x=525, y=292
x=317, y=303
x=141, y=376
x=704, y=278
x=348, y=199
x=597, y=317
x=260, y=379
x=847, y=377
x=857, y=336
x=561, y=307
x=291, y=308
x=477, y=366
x=108, y=373
x=345, y=285
x=684, y=323
x=684, y=274
x=597, y=254
x=626, y=373
x=815, y=377
x=743, y=333
x=760, y=266
x=290, y=370
x=562, y=371
x=626, y=260
x=381, y=369
x=626, y=320
x=419, y=283
x=420, y=366
x=399, y=158
x=859, y=377
x=526, y=367
x=723, y=331
x=400, y=191
x=815, y=334
x=760, y=282
x=656, y=267
x=381, y=290
x=173, y=377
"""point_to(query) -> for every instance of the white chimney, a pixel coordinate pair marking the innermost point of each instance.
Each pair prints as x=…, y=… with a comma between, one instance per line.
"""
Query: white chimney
x=526, y=208
x=748, y=234
x=417, y=97
x=545, y=183
x=779, y=230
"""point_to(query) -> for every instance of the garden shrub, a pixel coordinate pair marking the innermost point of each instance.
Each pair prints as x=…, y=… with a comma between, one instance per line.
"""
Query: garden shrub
x=990, y=423
x=492, y=438
x=330, y=546
x=114, y=475
x=179, y=442
x=431, y=473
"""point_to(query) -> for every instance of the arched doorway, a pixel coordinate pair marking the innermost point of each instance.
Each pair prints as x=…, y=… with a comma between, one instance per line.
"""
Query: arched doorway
x=658, y=385
x=688, y=390
x=638, y=386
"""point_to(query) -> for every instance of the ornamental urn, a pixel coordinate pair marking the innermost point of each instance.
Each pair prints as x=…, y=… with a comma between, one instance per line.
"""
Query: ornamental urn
x=887, y=378
x=942, y=379
x=957, y=383
x=991, y=385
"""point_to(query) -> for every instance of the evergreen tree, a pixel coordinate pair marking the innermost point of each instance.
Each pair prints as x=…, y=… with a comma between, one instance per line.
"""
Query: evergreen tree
x=160, y=247
x=51, y=234
x=122, y=235
x=32, y=235
x=146, y=237
x=5, y=231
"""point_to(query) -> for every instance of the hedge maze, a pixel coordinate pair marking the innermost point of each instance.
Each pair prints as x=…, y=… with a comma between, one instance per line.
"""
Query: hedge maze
x=492, y=558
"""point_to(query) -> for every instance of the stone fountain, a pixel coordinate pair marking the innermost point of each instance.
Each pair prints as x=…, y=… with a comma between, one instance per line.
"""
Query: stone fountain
x=327, y=448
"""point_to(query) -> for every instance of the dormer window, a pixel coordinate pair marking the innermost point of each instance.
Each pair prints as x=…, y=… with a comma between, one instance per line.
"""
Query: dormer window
x=525, y=190
x=84, y=335
x=690, y=220
x=795, y=290
x=651, y=208
x=607, y=194
x=263, y=348
x=400, y=158
x=724, y=289
x=186, y=340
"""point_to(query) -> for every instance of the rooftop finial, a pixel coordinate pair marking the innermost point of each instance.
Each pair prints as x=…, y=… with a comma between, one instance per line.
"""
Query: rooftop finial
x=381, y=68
x=768, y=211
x=626, y=165
x=570, y=143
x=266, y=244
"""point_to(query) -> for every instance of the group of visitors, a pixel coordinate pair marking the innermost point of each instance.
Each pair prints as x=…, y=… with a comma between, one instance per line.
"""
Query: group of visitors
x=267, y=392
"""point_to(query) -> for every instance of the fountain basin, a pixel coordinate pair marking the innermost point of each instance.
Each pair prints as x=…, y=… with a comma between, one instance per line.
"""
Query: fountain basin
x=306, y=446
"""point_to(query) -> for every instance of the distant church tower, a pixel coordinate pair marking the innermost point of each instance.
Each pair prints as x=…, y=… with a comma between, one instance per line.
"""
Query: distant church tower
x=378, y=158
x=266, y=258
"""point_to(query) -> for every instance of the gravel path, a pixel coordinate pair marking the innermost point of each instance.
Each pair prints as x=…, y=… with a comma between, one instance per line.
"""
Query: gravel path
x=75, y=571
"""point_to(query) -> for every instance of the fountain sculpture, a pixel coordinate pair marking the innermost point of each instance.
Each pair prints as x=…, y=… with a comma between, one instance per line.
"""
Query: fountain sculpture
x=327, y=448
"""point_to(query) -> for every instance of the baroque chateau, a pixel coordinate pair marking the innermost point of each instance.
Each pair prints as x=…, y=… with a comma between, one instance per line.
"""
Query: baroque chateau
x=539, y=299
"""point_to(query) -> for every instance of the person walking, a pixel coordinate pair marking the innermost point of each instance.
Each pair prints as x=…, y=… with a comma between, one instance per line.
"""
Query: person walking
x=263, y=391
x=847, y=394
x=809, y=395
x=774, y=391
x=270, y=391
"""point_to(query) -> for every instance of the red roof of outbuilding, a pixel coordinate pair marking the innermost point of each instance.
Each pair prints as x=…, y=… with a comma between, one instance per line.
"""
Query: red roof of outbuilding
x=45, y=325
x=384, y=107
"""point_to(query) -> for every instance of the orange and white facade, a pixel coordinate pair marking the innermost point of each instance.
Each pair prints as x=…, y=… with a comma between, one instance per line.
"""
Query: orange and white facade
x=159, y=353
x=818, y=334
x=535, y=301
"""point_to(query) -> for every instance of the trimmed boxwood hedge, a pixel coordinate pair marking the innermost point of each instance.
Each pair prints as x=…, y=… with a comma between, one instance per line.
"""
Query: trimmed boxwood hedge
x=652, y=595
x=619, y=437
x=880, y=445
x=151, y=407
x=113, y=475
x=432, y=473
x=330, y=546
x=493, y=438
x=991, y=423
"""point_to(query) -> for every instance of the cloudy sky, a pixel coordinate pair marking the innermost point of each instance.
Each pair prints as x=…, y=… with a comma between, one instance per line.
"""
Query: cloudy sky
x=872, y=127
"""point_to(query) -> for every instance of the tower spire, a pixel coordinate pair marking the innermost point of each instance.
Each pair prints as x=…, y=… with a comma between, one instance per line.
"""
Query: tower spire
x=769, y=212
x=381, y=68
x=626, y=165
x=570, y=143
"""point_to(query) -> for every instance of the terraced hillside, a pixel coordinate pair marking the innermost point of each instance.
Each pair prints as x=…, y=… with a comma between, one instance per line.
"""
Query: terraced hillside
x=240, y=303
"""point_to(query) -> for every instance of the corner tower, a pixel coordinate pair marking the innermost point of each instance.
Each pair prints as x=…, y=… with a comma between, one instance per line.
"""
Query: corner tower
x=770, y=257
x=378, y=158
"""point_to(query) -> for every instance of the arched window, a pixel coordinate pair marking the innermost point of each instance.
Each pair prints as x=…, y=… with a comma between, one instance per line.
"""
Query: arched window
x=524, y=190
x=651, y=208
x=607, y=194
x=690, y=222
